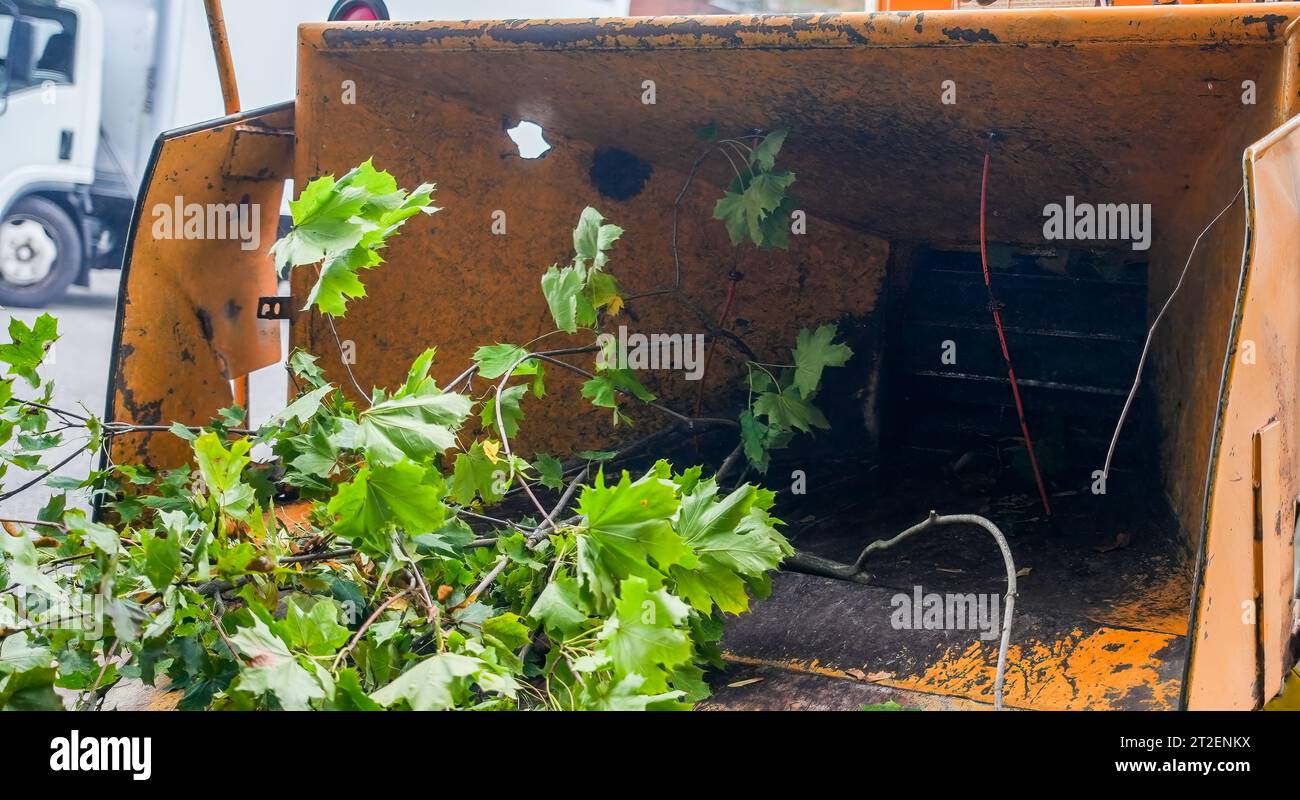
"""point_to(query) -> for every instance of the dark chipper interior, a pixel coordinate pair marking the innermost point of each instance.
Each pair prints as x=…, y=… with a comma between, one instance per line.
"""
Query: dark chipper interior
x=1103, y=581
x=923, y=416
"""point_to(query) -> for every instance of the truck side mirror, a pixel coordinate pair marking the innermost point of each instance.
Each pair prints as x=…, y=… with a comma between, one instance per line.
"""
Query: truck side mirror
x=19, y=57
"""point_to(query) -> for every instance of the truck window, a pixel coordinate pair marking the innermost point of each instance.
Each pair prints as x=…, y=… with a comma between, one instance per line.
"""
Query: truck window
x=55, y=44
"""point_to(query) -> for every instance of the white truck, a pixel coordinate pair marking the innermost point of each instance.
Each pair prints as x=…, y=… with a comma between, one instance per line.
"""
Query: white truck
x=86, y=87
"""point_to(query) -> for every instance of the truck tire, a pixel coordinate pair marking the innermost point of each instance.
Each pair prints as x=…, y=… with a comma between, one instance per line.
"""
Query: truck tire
x=40, y=253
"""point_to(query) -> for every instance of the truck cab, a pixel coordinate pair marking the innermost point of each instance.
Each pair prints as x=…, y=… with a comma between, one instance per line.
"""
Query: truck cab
x=49, y=122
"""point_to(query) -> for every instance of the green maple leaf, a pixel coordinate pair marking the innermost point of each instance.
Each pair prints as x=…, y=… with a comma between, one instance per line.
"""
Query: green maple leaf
x=101, y=537
x=28, y=675
x=344, y=223
x=689, y=679
x=27, y=346
x=511, y=410
x=311, y=457
x=753, y=436
x=646, y=635
x=712, y=584
x=24, y=566
x=788, y=410
x=394, y=210
x=304, y=366
x=776, y=225
x=494, y=359
x=603, y=390
x=313, y=630
x=19, y=652
x=219, y=466
x=748, y=202
x=626, y=532
x=626, y=695
x=348, y=694
x=508, y=629
x=323, y=221
x=591, y=239
x=302, y=409
x=6, y=425
x=476, y=474
x=550, y=471
x=814, y=351
x=403, y=495
x=559, y=607
x=162, y=553
x=441, y=682
x=732, y=543
x=339, y=281
x=702, y=517
x=764, y=155
x=576, y=292
x=417, y=377
x=272, y=668
x=414, y=426
x=561, y=287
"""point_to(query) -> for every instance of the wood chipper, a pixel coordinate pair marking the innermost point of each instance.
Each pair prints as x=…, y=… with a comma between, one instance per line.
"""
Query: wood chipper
x=1105, y=199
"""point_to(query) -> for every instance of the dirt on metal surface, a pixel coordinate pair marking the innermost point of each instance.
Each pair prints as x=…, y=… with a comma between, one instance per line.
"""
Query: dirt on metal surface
x=1089, y=633
x=187, y=320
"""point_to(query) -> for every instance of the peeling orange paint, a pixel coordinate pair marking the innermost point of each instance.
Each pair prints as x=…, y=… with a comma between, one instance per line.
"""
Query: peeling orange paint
x=1160, y=606
x=1095, y=671
x=924, y=700
x=1107, y=669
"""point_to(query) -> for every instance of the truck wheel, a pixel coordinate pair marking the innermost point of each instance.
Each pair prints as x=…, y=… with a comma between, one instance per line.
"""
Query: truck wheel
x=40, y=253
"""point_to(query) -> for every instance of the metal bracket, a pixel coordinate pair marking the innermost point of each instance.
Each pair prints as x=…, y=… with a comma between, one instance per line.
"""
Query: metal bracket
x=274, y=307
x=259, y=153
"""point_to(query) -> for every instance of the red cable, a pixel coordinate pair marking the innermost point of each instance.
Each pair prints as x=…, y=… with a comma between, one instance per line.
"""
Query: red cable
x=1002, y=337
x=708, y=359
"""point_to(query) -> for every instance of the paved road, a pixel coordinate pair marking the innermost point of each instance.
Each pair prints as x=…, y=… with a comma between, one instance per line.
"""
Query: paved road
x=80, y=374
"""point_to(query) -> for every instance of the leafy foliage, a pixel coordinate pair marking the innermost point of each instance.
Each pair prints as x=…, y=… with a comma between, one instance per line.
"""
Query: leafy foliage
x=756, y=207
x=342, y=224
x=781, y=402
x=404, y=575
x=577, y=291
x=27, y=346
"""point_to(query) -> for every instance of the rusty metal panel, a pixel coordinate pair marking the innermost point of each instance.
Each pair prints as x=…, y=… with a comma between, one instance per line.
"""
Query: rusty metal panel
x=186, y=320
x=1257, y=414
x=861, y=91
x=876, y=159
x=881, y=164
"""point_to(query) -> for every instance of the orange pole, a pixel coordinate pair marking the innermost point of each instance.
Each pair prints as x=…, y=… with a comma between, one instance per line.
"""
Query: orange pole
x=230, y=95
x=221, y=49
